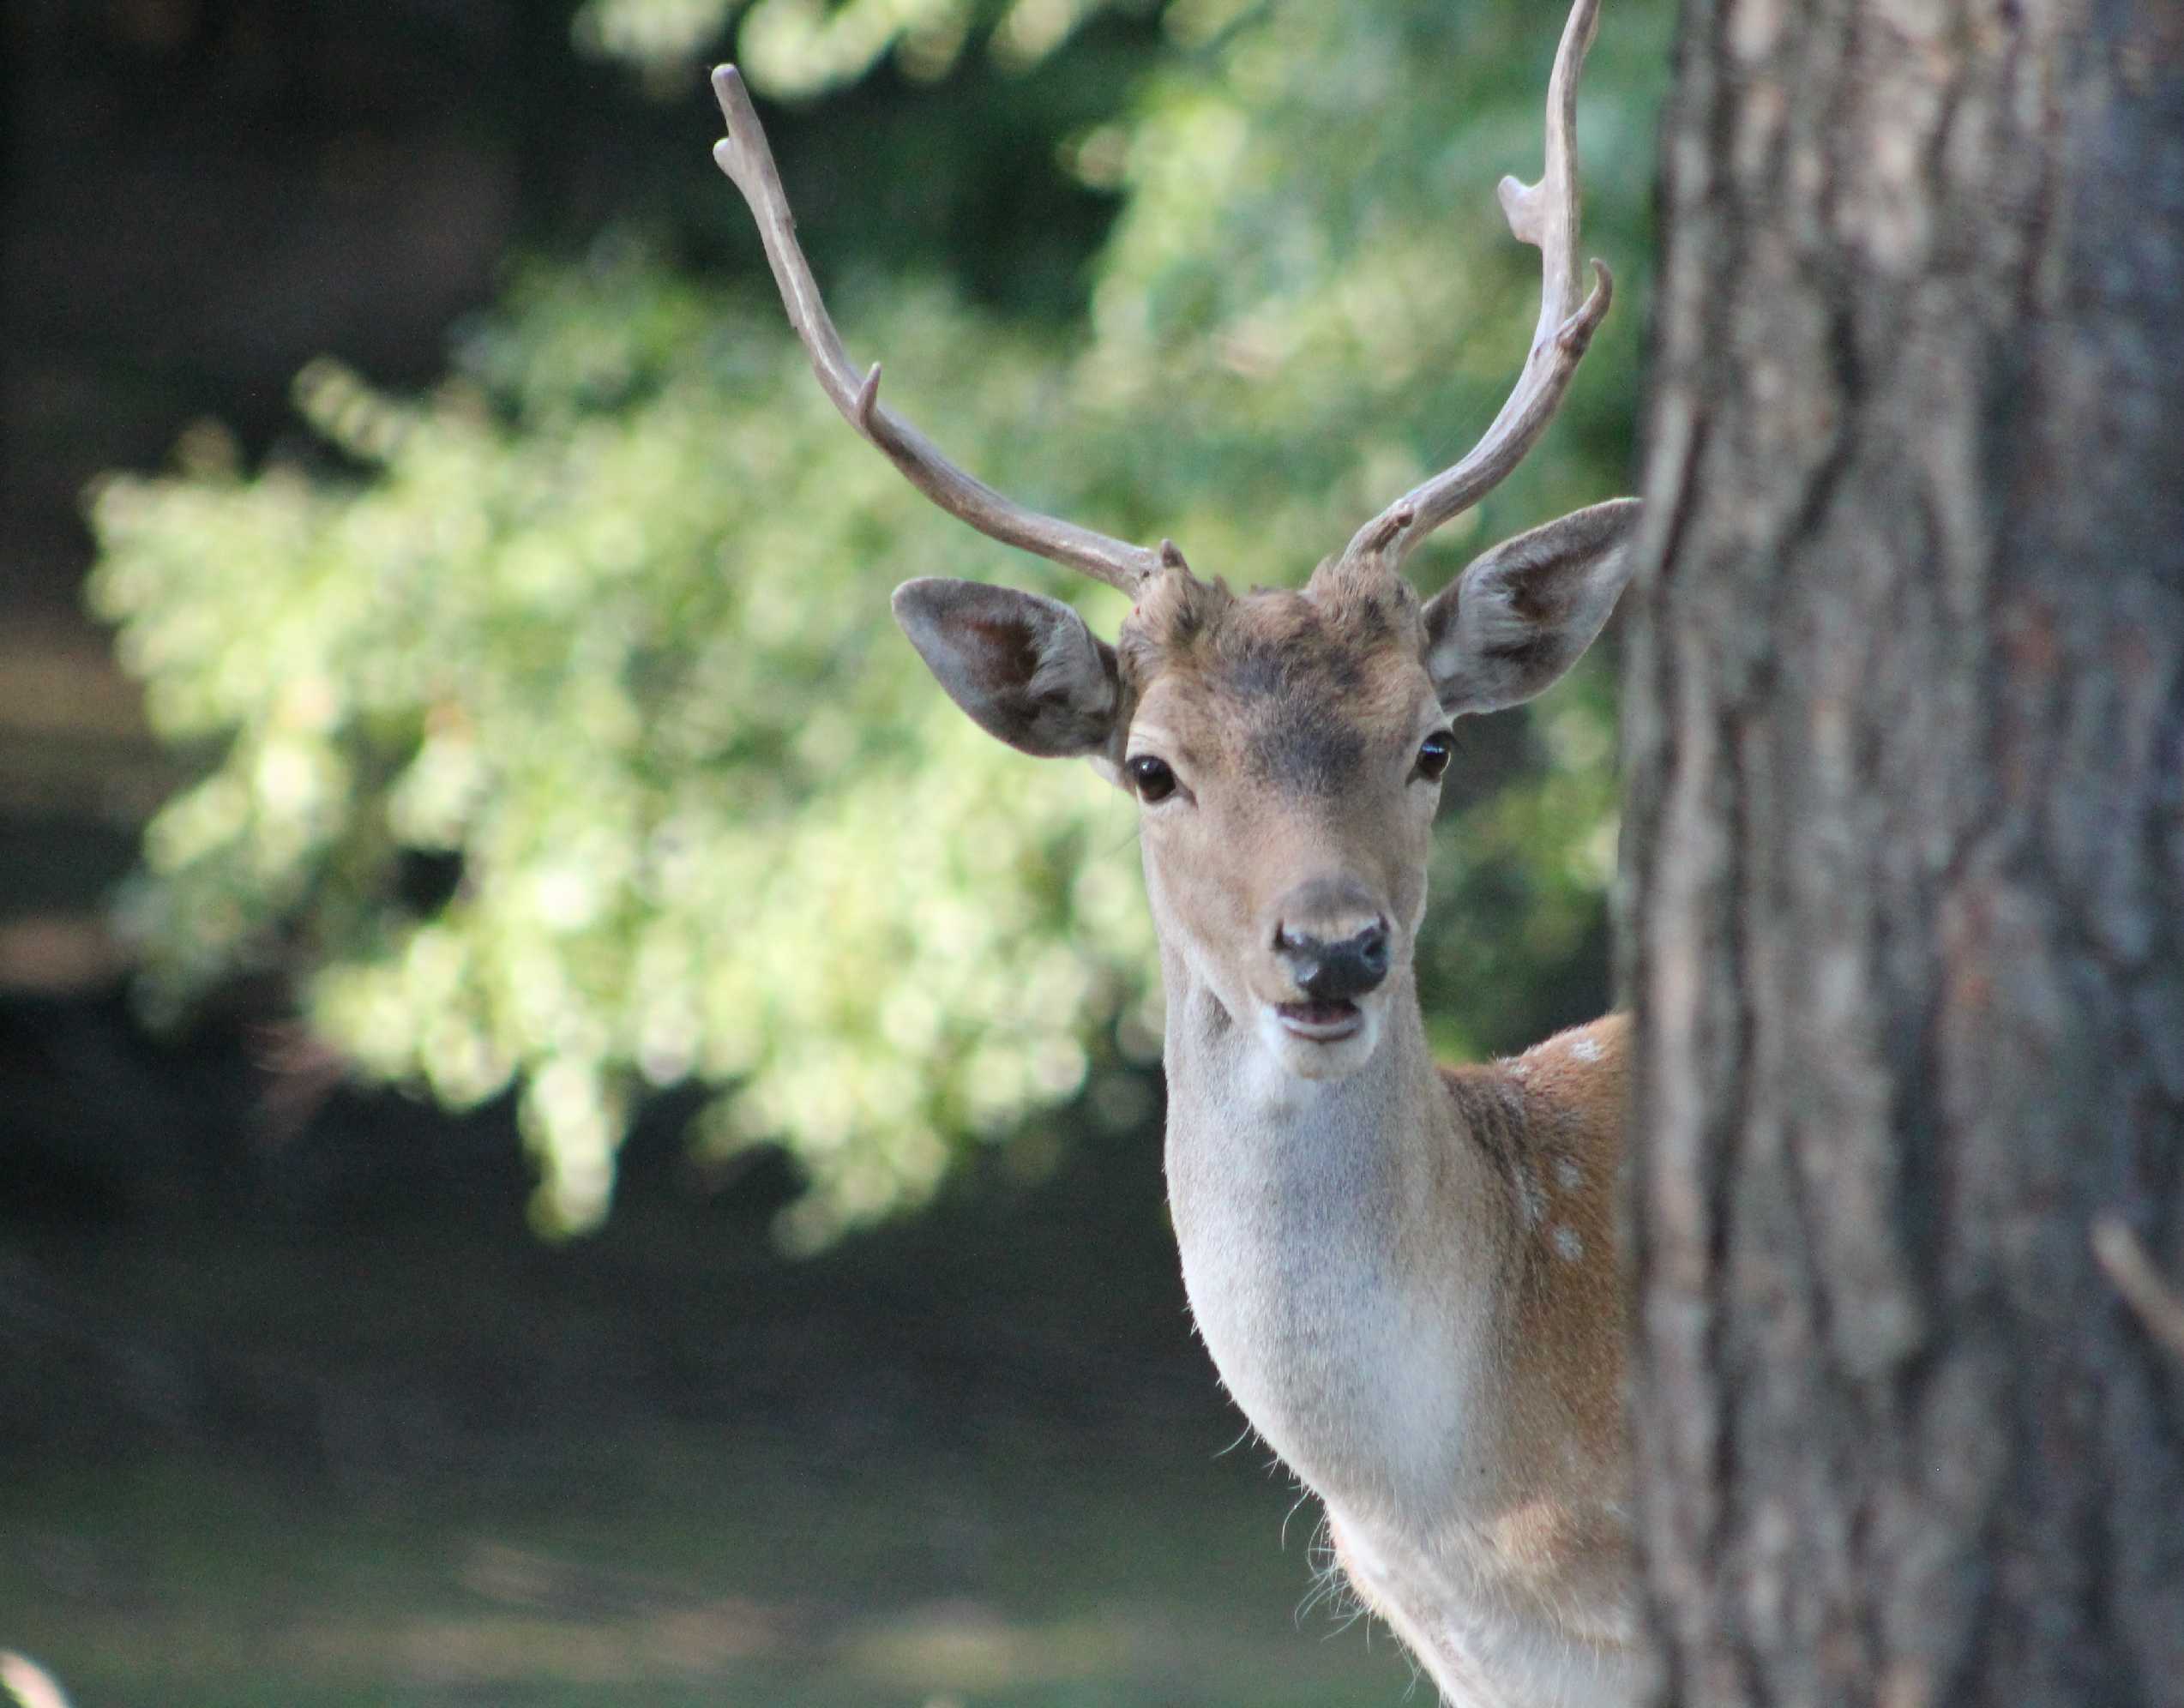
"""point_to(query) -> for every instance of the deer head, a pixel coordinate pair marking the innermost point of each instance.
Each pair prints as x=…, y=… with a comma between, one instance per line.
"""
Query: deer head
x=1285, y=748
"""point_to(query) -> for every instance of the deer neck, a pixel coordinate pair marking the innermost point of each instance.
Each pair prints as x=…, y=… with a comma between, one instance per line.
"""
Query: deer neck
x=1341, y=1251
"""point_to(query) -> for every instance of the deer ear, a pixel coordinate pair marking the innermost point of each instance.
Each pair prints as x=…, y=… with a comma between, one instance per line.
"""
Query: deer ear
x=1025, y=667
x=1523, y=613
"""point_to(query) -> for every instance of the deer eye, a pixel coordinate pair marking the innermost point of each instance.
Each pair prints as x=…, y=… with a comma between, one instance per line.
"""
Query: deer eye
x=1433, y=756
x=1154, y=781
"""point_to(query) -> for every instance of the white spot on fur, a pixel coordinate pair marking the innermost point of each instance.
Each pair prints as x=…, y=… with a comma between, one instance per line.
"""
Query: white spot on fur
x=1567, y=1175
x=1586, y=1050
x=1567, y=1245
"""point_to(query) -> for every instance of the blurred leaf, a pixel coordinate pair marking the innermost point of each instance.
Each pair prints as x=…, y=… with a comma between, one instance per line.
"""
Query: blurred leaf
x=797, y=49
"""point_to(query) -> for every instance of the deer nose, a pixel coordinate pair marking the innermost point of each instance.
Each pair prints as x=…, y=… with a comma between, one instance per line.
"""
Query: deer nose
x=1335, y=972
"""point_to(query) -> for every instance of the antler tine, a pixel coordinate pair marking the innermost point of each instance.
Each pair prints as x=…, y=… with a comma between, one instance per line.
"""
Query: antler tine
x=744, y=156
x=1544, y=214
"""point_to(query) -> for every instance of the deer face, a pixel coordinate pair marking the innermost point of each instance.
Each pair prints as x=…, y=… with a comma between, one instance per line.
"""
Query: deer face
x=1286, y=750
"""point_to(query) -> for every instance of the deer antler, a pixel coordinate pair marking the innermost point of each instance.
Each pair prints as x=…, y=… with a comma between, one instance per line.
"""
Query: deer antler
x=744, y=156
x=1544, y=214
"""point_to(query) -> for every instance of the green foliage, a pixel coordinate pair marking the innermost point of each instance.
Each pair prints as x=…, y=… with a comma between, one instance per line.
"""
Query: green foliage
x=793, y=48
x=606, y=616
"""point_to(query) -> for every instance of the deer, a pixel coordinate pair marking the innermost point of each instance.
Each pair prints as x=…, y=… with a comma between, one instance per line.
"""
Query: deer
x=1407, y=1275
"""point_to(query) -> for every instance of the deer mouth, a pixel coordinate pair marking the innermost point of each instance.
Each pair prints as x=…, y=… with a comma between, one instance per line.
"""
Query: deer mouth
x=1320, y=1022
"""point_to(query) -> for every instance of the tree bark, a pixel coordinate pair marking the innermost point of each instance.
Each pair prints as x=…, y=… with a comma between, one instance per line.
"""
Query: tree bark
x=1905, y=726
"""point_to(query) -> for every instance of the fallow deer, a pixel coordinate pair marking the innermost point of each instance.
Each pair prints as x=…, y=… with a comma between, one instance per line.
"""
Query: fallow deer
x=1406, y=1274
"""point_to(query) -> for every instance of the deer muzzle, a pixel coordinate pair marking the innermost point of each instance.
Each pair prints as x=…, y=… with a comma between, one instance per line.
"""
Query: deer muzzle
x=1332, y=941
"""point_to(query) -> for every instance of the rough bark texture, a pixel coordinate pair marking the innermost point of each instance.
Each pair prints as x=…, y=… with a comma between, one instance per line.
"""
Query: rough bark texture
x=1906, y=727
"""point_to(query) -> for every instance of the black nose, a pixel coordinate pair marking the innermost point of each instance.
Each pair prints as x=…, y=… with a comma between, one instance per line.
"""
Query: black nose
x=1335, y=972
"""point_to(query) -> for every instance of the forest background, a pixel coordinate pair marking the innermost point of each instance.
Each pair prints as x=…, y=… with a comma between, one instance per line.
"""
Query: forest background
x=532, y=806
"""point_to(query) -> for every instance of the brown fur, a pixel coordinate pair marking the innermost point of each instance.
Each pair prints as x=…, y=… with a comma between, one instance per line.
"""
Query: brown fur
x=1564, y=1146
x=1315, y=676
x=1552, y=1120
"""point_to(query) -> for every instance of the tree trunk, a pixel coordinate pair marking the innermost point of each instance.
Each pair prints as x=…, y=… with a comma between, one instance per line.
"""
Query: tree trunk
x=1906, y=743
